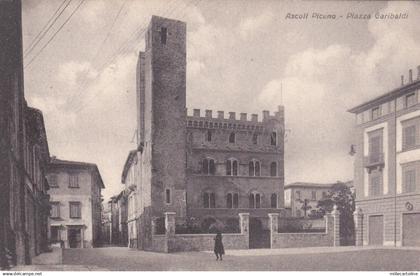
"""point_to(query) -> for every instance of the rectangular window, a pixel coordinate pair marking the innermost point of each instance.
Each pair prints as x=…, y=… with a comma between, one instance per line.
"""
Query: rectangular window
x=297, y=194
x=55, y=233
x=375, y=185
x=53, y=181
x=375, y=148
x=163, y=35
x=410, y=100
x=409, y=136
x=376, y=113
x=73, y=180
x=208, y=136
x=55, y=209
x=168, y=196
x=324, y=195
x=313, y=195
x=75, y=210
x=409, y=181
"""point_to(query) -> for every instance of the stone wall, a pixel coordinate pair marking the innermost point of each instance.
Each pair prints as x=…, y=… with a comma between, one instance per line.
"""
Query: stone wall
x=205, y=242
x=171, y=242
x=331, y=236
x=159, y=243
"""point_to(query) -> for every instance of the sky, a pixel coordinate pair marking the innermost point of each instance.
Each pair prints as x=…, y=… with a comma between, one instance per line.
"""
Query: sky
x=242, y=56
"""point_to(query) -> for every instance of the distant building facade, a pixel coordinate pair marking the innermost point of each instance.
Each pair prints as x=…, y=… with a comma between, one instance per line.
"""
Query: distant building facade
x=210, y=168
x=75, y=197
x=106, y=224
x=299, y=193
x=387, y=167
x=129, y=179
x=24, y=153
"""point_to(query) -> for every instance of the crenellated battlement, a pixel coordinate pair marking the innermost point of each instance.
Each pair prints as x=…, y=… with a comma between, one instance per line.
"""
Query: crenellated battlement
x=231, y=116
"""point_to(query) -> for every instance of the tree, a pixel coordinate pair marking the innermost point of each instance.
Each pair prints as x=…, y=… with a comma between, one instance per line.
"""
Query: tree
x=341, y=196
x=305, y=206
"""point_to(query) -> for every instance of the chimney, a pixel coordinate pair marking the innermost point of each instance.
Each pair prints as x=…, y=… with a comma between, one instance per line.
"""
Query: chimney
x=220, y=114
x=418, y=72
x=402, y=80
x=208, y=113
x=243, y=116
x=410, y=76
x=266, y=114
x=232, y=115
x=254, y=118
x=196, y=113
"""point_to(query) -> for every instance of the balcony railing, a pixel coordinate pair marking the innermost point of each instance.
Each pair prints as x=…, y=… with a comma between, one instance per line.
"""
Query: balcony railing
x=374, y=160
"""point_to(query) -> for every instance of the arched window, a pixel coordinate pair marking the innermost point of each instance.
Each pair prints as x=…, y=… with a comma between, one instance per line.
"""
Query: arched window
x=206, y=200
x=205, y=166
x=257, y=201
x=251, y=201
x=229, y=201
x=232, y=167
x=254, y=168
x=254, y=200
x=232, y=200
x=212, y=200
x=232, y=137
x=212, y=167
x=251, y=168
x=209, y=200
x=208, y=166
x=255, y=139
x=235, y=200
x=273, y=200
x=273, y=169
x=274, y=138
x=208, y=136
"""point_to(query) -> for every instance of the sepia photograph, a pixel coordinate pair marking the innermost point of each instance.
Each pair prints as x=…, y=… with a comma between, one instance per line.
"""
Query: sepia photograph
x=209, y=135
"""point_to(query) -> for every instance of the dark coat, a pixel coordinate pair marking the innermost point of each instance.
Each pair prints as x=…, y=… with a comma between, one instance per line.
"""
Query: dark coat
x=218, y=245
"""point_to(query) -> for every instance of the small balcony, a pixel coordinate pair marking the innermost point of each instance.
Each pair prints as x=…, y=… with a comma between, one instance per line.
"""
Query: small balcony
x=374, y=160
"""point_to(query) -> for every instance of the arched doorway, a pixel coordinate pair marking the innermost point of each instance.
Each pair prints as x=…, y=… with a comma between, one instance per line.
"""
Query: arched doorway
x=259, y=237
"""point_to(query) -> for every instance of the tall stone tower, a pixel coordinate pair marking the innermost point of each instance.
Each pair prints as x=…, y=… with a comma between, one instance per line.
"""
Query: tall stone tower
x=161, y=100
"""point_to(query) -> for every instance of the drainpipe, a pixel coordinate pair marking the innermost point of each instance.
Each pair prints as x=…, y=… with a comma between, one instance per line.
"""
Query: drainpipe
x=395, y=175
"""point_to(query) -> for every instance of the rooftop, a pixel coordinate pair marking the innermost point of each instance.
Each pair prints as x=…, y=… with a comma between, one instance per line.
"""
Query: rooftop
x=76, y=164
x=315, y=185
x=395, y=93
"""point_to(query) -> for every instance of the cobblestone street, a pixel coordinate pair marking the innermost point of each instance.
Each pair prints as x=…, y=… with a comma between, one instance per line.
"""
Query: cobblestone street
x=118, y=258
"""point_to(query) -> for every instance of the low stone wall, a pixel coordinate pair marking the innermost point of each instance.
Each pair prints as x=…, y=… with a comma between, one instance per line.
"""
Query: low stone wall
x=159, y=243
x=205, y=242
x=171, y=242
x=285, y=240
x=331, y=236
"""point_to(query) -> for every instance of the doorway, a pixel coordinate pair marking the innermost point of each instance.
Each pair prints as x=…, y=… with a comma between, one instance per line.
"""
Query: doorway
x=376, y=230
x=75, y=237
x=259, y=237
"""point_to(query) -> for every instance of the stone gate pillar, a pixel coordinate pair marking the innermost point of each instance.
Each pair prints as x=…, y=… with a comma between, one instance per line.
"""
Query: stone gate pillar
x=274, y=226
x=170, y=224
x=244, y=224
x=169, y=231
x=358, y=227
x=336, y=229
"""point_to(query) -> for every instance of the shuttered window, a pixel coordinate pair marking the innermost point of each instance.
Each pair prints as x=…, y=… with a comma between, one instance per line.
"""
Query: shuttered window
x=55, y=209
x=409, y=181
x=75, y=210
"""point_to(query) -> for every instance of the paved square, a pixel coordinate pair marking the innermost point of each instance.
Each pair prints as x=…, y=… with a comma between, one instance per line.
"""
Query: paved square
x=322, y=259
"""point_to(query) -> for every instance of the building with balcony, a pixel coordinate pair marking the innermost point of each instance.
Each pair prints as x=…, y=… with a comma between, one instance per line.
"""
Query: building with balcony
x=76, y=203
x=387, y=167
